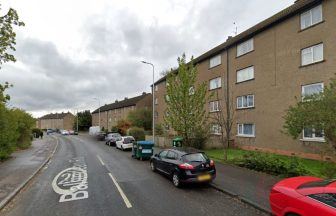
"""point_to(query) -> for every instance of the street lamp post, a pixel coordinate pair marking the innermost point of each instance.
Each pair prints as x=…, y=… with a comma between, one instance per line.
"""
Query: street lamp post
x=98, y=111
x=153, y=94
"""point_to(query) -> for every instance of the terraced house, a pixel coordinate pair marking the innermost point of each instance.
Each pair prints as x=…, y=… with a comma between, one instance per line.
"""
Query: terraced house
x=55, y=121
x=110, y=114
x=264, y=70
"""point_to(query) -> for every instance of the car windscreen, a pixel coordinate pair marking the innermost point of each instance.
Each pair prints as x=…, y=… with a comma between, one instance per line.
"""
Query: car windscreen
x=195, y=157
x=128, y=140
x=322, y=183
x=327, y=199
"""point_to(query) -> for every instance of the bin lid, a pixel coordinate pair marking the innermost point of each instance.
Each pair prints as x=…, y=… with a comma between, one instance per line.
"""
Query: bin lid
x=178, y=139
x=145, y=142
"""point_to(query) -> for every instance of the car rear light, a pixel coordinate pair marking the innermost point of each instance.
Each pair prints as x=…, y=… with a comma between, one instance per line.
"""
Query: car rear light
x=186, y=166
x=212, y=163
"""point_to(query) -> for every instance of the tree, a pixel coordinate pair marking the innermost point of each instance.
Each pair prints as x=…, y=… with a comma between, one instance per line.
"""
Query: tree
x=186, y=102
x=8, y=36
x=84, y=120
x=141, y=118
x=224, y=118
x=317, y=112
x=123, y=126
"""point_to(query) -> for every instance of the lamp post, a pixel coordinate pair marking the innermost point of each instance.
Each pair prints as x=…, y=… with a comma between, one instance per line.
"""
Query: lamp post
x=153, y=94
x=98, y=111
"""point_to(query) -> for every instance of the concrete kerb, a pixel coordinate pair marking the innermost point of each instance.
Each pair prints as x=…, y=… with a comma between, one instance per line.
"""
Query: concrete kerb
x=241, y=198
x=4, y=202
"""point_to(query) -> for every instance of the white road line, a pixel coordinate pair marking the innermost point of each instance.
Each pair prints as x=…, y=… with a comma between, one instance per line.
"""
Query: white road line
x=101, y=161
x=127, y=202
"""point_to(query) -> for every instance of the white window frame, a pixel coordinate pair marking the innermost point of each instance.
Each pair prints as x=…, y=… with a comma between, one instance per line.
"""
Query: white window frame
x=312, y=51
x=248, y=69
x=214, y=106
x=243, y=48
x=309, y=14
x=215, y=129
x=242, y=126
x=313, y=138
x=245, y=97
x=215, y=61
x=304, y=86
x=218, y=82
x=156, y=88
x=156, y=101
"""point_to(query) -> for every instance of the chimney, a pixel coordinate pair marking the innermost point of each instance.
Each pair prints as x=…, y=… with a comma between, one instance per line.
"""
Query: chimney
x=126, y=98
x=116, y=101
x=144, y=93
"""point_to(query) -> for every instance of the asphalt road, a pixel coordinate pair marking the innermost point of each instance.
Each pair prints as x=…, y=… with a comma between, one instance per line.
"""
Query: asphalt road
x=112, y=183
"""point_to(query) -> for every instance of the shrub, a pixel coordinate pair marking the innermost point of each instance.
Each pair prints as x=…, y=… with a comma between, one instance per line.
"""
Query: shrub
x=267, y=163
x=329, y=170
x=8, y=132
x=25, y=122
x=123, y=126
x=114, y=129
x=137, y=133
x=141, y=118
x=158, y=129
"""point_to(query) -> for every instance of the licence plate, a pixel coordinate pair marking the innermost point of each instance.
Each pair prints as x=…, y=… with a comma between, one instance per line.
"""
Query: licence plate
x=146, y=150
x=204, y=177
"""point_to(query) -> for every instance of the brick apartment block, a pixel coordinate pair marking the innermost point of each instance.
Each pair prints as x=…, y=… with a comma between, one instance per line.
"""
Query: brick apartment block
x=56, y=121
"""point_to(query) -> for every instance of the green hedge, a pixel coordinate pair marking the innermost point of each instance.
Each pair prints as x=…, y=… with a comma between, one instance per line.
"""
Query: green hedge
x=270, y=164
x=137, y=133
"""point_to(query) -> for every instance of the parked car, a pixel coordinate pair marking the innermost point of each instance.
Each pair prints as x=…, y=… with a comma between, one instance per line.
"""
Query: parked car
x=101, y=136
x=64, y=132
x=184, y=165
x=304, y=196
x=126, y=142
x=50, y=131
x=71, y=132
x=111, y=138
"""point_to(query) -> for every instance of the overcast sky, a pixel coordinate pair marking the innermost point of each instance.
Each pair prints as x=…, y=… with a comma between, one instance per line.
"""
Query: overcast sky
x=72, y=51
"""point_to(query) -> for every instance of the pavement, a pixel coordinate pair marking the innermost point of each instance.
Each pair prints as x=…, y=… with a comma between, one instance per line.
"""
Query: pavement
x=87, y=177
x=22, y=166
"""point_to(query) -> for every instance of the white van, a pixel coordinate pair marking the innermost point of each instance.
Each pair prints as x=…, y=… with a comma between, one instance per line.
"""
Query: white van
x=94, y=130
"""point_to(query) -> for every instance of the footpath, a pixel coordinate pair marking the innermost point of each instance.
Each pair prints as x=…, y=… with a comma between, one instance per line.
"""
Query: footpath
x=23, y=165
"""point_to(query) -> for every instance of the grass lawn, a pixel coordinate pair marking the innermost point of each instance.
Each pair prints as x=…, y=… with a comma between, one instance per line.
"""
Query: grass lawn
x=313, y=166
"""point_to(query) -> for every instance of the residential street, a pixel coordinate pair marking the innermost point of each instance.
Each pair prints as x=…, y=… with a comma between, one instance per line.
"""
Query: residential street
x=112, y=183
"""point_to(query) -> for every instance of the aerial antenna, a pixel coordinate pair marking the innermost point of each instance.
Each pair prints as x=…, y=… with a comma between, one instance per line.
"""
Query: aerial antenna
x=236, y=28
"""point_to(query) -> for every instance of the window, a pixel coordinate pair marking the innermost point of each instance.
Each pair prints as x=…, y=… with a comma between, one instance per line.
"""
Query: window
x=156, y=114
x=156, y=88
x=246, y=101
x=328, y=199
x=311, y=17
x=215, y=83
x=215, y=129
x=156, y=101
x=214, y=61
x=308, y=90
x=171, y=155
x=246, y=130
x=191, y=90
x=214, y=106
x=245, y=47
x=313, y=134
x=245, y=74
x=312, y=54
x=163, y=154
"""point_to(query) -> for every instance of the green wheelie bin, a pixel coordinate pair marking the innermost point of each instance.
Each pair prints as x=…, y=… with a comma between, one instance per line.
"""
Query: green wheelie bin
x=142, y=150
x=177, y=142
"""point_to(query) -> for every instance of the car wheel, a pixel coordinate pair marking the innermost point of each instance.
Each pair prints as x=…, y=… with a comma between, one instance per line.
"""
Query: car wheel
x=122, y=148
x=176, y=180
x=152, y=166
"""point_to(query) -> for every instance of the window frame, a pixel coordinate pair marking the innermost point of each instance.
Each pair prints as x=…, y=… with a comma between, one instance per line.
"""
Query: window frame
x=246, y=135
x=216, y=64
x=156, y=101
x=247, y=106
x=310, y=11
x=312, y=54
x=218, y=128
x=244, y=69
x=156, y=88
x=212, y=106
x=313, y=138
x=241, y=44
x=220, y=83
x=312, y=84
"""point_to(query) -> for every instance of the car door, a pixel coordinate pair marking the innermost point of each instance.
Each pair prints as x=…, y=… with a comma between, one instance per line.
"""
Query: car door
x=159, y=160
x=169, y=162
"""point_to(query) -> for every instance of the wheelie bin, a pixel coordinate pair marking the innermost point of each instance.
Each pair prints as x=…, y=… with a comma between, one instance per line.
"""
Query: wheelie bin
x=177, y=142
x=142, y=150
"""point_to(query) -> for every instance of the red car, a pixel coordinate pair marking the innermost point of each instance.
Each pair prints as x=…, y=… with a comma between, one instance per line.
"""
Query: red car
x=304, y=196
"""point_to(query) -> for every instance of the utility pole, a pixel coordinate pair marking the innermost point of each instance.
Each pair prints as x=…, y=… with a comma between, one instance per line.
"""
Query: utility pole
x=153, y=99
x=98, y=111
x=77, y=120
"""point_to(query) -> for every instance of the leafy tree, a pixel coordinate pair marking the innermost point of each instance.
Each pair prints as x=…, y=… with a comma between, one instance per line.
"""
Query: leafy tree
x=186, y=102
x=8, y=36
x=84, y=120
x=141, y=118
x=123, y=126
x=25, y=123
x=317, y=111
x=137, y=133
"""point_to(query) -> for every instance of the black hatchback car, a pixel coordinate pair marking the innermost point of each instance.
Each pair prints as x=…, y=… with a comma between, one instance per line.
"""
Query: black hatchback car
x=184, y=166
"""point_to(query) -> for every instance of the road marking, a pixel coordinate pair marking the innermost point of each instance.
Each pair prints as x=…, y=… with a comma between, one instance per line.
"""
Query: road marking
x=127, y=202
x=101, y=161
